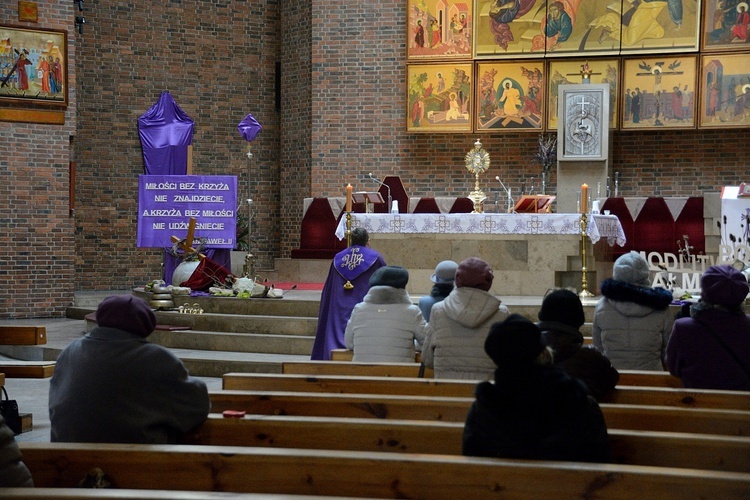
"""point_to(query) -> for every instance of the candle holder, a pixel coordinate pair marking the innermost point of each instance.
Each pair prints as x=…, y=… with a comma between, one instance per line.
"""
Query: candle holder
x=348, y=229
x=585, y=294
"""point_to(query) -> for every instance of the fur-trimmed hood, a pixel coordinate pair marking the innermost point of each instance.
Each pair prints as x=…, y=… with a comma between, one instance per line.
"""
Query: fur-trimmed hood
x=652, y=298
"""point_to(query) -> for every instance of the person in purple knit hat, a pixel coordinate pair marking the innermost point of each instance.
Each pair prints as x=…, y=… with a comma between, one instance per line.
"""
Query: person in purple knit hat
x=347, y=284
x=711, y=348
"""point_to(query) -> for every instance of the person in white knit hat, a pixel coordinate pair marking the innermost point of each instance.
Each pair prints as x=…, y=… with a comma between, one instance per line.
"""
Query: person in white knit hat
x=632, y=320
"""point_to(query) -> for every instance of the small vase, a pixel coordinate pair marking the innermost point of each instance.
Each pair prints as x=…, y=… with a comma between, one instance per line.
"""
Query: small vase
x=544, y=182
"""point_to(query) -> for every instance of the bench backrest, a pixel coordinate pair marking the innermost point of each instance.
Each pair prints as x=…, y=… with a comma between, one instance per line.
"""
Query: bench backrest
x=663, y=449
x=656, y=396
x=446, y=409
x=363, y=474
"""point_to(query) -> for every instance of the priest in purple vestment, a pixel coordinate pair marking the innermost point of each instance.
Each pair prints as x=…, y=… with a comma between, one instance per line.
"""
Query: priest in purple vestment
x=346, y=286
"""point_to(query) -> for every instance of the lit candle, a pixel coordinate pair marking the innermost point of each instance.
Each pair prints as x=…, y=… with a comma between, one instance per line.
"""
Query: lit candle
x=348, y=197
x=584, y=198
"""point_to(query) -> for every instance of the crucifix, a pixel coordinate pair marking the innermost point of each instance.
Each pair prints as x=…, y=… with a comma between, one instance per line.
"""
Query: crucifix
x=187, y=244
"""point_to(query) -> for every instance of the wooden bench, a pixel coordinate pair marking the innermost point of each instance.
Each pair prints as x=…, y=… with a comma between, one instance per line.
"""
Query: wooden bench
x=661, y=449
x=653, y=396
x=364, y=474
x=27, y=369
x=446, y=409
x=23, y=335
x=347, y=367
x=128, y=494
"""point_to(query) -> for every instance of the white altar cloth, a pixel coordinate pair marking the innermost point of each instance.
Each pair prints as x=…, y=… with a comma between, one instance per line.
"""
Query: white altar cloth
x=600, y=226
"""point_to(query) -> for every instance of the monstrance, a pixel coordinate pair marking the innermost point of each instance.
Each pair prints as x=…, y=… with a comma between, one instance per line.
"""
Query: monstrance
x=477, y=161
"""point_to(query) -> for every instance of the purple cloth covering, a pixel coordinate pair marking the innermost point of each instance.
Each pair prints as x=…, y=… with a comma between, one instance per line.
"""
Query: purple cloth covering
x=166, y=131
x=336, y=303
x=249, y=128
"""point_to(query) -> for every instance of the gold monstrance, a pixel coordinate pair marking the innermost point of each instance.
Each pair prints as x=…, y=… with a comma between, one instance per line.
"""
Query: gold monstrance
x=477, y=161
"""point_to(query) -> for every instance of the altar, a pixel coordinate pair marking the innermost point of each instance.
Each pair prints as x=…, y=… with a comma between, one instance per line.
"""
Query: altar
x=529, y=253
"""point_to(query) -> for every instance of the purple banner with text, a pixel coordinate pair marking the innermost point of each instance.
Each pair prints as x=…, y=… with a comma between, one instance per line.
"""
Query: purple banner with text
x=166, y=203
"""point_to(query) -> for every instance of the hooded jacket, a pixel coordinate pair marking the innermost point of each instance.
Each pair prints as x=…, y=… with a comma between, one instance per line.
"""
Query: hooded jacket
x=584, y=363
x=458, y=327
x=384, y=326
x=535, y=412
x=632, y=325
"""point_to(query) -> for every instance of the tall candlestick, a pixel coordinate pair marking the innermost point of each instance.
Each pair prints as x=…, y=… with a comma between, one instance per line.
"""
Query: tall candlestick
x=584, y=198
x=348, y=197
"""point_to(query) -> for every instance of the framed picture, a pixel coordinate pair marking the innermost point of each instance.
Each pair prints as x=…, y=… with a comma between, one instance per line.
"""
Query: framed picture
x=508, y=28
x=583, y=129
x=659, y=92
x=440, y=29
x=725, y=91
x=571, y=71
x=725, y=25
x=581, y=28
x=439, y=97
x=650, y=26
x=510, y=96
x=33, y=66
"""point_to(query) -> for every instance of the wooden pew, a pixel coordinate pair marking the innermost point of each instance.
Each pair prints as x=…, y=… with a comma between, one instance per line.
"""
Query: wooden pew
x=130, y=494
x=653, y=396
x=661, y=449
x=27, y=369
x=364, y=474
x=346, y=367
x=23, y=335
x=446, y=409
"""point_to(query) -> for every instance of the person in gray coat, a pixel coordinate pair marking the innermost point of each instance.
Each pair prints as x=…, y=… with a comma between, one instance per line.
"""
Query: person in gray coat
x=113, y=386
x=632, y=321
x=443, y=277
x=458, y=327
x=386, y=327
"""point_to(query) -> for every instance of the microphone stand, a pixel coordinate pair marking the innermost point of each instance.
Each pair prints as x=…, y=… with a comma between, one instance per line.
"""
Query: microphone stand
x=390, y=200
x=510, y=198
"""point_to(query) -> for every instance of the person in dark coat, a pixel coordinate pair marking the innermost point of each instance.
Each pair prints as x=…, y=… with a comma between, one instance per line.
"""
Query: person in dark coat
x=533, y=410
x=561, y=316
x=711, y=348
x=13, y=472
x=443, y=277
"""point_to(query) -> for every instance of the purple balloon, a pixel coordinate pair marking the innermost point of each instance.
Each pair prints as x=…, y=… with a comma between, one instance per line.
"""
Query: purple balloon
x=249, y=128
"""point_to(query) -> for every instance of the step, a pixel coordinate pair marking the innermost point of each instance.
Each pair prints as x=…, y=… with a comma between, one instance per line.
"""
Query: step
x=240, y=323
x=217, y=363
x=236, y=342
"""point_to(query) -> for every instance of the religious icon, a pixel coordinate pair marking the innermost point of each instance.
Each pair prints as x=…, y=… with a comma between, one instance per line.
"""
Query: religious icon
x=440, y=29
x=439, y=97
x=584, y=109
x=725, y=91
x=510, y=96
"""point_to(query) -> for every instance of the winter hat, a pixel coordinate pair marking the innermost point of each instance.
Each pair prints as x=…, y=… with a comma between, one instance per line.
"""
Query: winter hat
x=445, y=272
x=474, y=273
x=515, y=341
x=394, y=276
x=126, y=312
x=562, y=306
x=631, y=268
x=723, y=285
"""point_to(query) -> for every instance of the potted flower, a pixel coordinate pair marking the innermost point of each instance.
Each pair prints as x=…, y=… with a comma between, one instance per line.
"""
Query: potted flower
x=546, y=156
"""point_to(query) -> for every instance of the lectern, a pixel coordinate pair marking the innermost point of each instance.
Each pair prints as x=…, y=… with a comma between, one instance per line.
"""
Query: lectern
x=533, y=204
x=368, y=198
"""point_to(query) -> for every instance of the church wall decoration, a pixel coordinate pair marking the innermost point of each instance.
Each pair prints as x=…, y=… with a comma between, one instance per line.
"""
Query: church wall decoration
x=439, y=97
x=569, y=71
x=580, y=28
x=439, y=29
x=725, y=25
x=662, y=92
x=33, y=66
x=510, y=95
x=659, y=26
x=725, y=91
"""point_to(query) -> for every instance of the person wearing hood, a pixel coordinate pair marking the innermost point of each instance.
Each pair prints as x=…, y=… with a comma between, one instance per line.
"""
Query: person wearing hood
x=458, y=327
x=443, y=277
x=385, y=326
x=560, y=318
x=113, y=386
x=711, y=348
x=632, y=321
x=533, y=410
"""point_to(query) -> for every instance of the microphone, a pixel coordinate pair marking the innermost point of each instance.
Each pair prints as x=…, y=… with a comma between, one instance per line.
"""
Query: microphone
x=378, y=181
x=510, y=198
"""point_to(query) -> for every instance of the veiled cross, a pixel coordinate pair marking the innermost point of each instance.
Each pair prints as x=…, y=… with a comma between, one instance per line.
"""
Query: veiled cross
x=187, y=244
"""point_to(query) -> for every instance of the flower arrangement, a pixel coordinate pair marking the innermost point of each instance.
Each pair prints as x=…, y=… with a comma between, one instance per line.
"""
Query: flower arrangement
x=546, y=152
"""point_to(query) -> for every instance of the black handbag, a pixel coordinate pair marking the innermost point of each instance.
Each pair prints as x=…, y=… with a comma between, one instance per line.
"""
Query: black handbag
x=9, y=409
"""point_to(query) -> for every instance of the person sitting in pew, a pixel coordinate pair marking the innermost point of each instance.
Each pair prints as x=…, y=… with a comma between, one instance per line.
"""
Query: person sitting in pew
x=632, y=321
x=443, y=277
x=560, y=318
x=711, y=348
x=533, y=410
x=13, y=472
x=386, y=324
x=458, y=327
x=113, y=386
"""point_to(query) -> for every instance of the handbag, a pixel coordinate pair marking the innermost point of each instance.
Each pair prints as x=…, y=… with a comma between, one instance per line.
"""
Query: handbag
x=9, y=410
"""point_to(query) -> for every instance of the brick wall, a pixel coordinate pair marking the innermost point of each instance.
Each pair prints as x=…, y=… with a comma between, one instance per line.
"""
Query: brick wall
x=342, y=116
